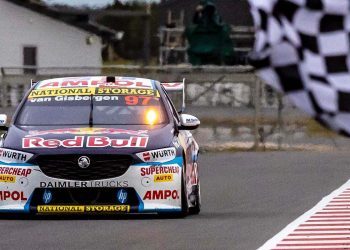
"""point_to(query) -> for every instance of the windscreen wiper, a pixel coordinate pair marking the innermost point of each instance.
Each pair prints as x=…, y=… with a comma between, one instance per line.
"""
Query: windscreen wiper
x=91, y=118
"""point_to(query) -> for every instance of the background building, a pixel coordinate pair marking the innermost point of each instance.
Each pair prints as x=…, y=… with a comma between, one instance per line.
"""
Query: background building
x=39, y=36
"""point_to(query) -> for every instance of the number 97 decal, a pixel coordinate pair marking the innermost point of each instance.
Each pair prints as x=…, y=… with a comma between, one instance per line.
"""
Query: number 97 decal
x=138, y=100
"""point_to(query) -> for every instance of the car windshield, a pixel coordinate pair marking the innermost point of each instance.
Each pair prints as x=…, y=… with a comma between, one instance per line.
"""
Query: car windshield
x=92, y=106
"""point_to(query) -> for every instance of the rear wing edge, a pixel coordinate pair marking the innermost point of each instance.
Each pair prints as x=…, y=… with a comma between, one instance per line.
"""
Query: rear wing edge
x=177, y=86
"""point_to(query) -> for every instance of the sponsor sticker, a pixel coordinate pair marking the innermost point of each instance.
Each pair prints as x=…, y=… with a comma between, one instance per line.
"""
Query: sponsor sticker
x=47, y=196
x=96, y=82
x=73, y=99
x=83, y=209
x=79, y=92
x=13, y=156
x=122, y=91
x=12, y=195
x=146, y=156
x=83, y=184
x=7, y=178
x=103, y=142
x=38, y=142
x=122, y=196
x=173, y=86
x=161, y=155
x=82, y=141
x=61, y=92
x=161, y=195
x=152, y=170
x=15, y=171
x=108, y=208
x=60, y=209
x=163, y=178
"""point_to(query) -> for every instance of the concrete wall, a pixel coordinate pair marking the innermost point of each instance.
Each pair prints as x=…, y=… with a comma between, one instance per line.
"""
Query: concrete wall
x=58, y=44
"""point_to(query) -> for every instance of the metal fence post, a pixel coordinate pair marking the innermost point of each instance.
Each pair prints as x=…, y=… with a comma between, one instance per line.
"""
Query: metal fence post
x=3, y=100
x=257, y=105
x=280, y=121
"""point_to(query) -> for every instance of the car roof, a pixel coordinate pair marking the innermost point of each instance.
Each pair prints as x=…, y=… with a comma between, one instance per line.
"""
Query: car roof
x=97, y=81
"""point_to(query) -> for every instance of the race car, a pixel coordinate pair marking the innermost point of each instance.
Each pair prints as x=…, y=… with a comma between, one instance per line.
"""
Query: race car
x=99, y=145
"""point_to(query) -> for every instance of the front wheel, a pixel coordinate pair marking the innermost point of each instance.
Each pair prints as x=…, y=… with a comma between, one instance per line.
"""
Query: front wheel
x=184, y=203
x=197, y=192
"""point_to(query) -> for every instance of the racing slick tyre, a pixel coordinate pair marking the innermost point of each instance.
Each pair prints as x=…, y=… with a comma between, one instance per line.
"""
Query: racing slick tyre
x=184, y=203
x=197, y=208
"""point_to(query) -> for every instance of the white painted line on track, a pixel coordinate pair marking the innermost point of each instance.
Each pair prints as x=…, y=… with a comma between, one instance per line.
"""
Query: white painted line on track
x=325, y=226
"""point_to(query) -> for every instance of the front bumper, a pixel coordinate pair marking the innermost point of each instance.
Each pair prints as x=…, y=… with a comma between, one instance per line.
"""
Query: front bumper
x=144, y=188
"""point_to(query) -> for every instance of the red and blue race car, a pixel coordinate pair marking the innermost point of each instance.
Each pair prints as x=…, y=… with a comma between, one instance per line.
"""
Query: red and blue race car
x=99, y=145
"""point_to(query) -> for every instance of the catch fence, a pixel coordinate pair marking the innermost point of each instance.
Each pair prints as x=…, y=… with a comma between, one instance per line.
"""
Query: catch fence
x=228, y=99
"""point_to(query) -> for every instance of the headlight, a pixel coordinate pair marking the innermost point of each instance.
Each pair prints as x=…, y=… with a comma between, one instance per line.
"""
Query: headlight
x=13, y=156
x=151, y=117
x=159, y=155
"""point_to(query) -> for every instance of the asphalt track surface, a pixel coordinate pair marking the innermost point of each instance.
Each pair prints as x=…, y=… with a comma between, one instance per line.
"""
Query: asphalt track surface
x=247, y=199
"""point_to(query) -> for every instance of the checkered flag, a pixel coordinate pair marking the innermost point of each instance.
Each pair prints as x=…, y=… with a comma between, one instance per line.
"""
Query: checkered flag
x=303, y=49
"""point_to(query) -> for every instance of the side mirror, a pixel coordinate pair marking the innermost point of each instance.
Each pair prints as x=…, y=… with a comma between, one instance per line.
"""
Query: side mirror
x=3, y=121
x=189, y=122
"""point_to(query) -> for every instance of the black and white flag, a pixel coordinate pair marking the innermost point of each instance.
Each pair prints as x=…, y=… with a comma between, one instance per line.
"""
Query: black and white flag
x=303, y=50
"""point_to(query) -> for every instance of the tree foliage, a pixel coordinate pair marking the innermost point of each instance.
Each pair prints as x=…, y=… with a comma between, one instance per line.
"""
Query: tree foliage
x=134, y=29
